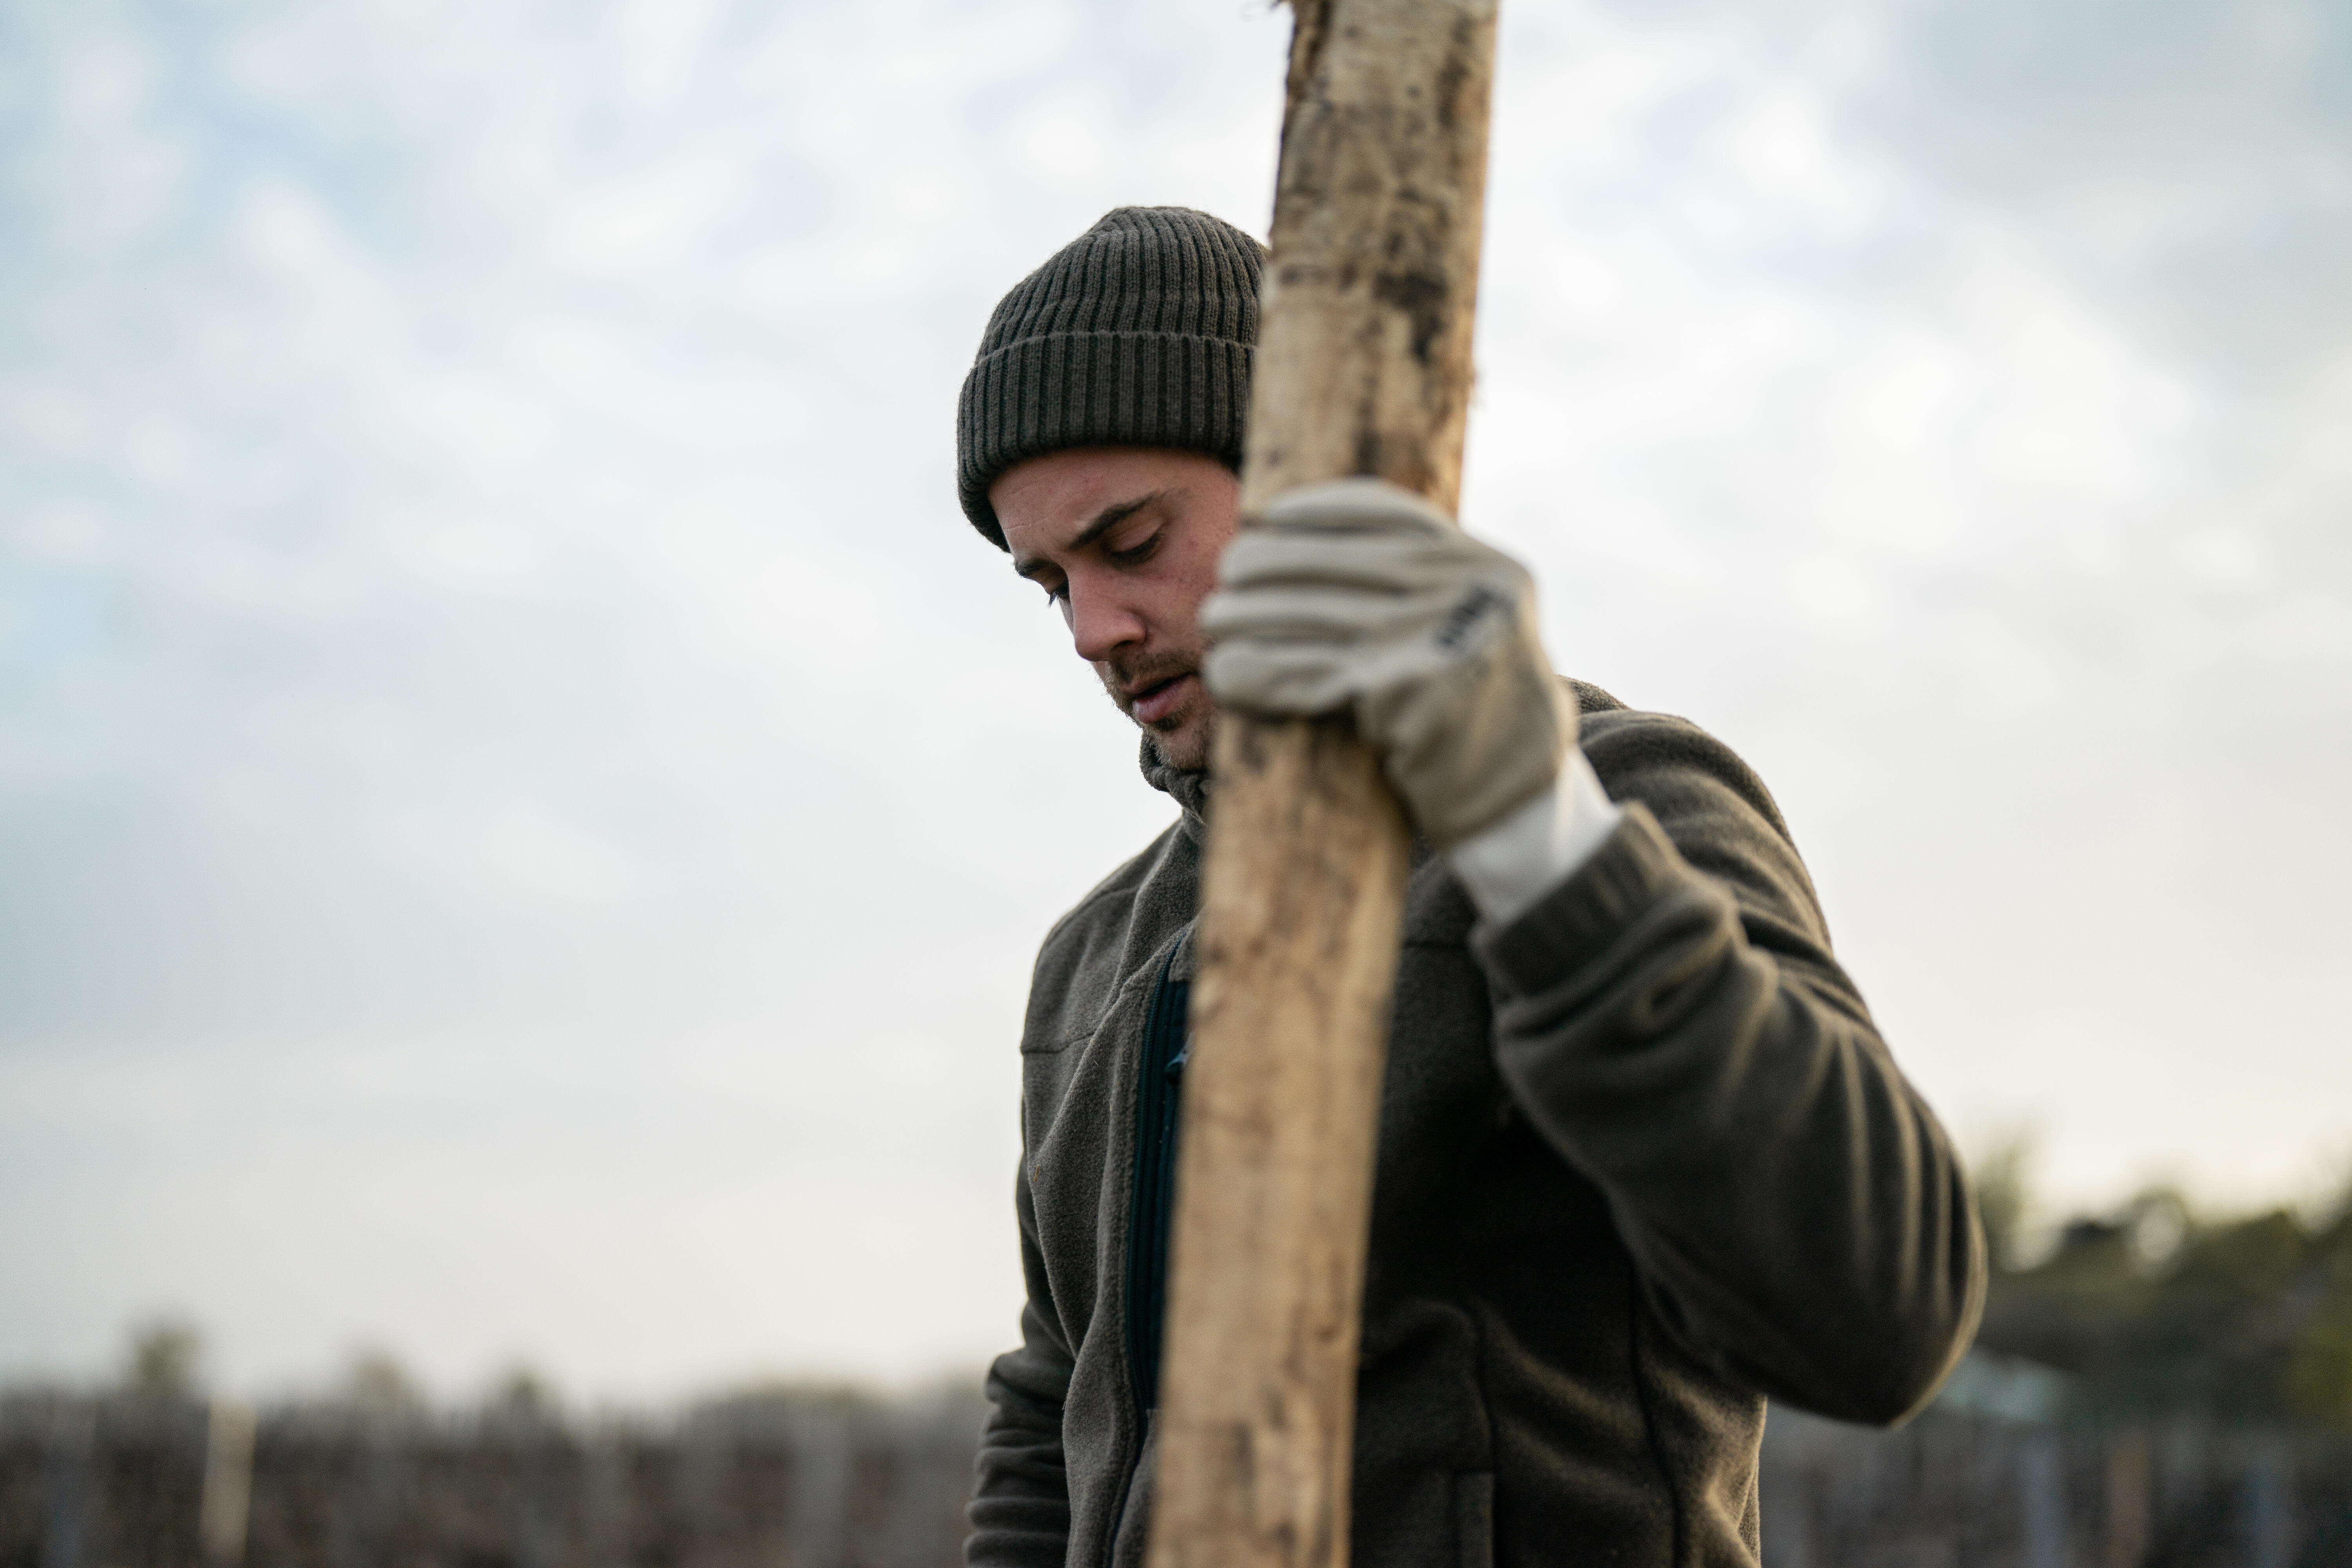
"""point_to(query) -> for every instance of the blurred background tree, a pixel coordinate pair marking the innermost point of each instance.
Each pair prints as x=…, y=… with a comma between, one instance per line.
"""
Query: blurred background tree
x=164, y=1361
x=2155, y=1309
x=377, y=1385
x=2004, y=1196
x=523, y=1394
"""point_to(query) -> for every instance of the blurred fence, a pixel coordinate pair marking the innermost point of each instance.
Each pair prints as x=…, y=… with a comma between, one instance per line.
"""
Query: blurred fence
x=1959, y=1491
x=148, y=1484
x=126, y=1484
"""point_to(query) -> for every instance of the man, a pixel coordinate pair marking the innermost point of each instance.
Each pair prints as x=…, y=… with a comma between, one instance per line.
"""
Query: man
x=1642, y=1162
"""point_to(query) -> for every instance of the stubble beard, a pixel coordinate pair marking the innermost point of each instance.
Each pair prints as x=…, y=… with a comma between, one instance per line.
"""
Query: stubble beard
x=1183, y=741
x=1183, y=736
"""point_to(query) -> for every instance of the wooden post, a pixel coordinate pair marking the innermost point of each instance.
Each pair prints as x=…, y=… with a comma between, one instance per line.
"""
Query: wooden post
x=1362, y=367
x=228, y=1496
x=2128, y=1497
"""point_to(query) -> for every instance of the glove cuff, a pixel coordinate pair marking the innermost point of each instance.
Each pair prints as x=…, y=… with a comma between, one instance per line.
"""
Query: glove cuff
x=1451, y=805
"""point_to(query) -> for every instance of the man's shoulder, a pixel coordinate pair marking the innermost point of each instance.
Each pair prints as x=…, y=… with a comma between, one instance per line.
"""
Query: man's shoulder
x=1108, y=902
x=1089, y=952
x=1659, y=757
x=1591, y=698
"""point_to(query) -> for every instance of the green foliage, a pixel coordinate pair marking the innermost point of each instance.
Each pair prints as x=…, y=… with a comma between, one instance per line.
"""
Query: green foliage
x=2319, y=1370
x=2155, y=1309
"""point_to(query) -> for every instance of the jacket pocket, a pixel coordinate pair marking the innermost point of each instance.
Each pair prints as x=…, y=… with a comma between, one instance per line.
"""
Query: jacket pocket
x=1473, y=1519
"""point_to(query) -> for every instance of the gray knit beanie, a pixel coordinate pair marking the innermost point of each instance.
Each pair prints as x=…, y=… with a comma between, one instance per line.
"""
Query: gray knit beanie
x=1137, y=334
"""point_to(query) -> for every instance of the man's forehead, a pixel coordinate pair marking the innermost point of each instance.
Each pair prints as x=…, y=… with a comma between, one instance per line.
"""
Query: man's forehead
x=1081, y=478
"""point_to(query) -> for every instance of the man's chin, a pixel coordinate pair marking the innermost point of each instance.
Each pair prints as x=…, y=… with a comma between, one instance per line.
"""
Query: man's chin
x=1182, y=741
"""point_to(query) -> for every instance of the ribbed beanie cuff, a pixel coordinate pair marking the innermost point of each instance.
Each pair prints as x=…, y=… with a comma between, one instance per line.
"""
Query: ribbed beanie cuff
x=1137, y=334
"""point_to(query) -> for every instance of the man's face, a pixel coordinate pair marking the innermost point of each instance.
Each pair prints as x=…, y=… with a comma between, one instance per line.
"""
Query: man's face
x=1125, y=542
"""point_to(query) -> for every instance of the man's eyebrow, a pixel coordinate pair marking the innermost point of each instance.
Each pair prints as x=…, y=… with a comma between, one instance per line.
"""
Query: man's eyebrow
x=1110, y=517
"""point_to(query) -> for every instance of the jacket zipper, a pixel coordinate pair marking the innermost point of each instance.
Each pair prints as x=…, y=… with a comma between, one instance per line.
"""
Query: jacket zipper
x=1150, y=1202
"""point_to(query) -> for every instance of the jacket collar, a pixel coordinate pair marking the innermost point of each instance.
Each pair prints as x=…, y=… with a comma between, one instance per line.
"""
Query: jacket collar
x=1187, y=787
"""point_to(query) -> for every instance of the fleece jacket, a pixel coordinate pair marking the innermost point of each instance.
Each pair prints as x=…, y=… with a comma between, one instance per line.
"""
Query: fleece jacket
x=1643, y=1162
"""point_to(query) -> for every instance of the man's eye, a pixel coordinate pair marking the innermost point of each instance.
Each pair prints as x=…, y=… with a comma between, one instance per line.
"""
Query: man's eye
x=1127, y=555
x=1055, y=596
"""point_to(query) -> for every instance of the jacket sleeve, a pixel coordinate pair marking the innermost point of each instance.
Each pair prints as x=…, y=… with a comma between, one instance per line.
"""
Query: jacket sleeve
x=1670, y=1018
x=1020, y=1508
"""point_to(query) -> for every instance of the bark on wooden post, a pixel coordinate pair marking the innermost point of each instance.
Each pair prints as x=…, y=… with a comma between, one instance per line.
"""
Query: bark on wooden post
x=1362, y=367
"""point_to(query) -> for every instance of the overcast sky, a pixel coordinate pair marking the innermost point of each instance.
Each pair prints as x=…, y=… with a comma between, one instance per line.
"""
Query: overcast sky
x=525, y=810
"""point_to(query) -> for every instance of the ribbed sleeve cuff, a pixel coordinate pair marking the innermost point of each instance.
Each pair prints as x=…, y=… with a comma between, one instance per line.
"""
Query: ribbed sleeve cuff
x=1576, y=921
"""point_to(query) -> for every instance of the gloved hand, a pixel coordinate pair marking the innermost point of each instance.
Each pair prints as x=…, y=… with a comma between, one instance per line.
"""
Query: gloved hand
x=1356, y=596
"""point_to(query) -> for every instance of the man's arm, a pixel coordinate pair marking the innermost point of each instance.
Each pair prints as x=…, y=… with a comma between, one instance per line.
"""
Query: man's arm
x=1020, y=1508
x=1669, y=1013
x=1670, y=1016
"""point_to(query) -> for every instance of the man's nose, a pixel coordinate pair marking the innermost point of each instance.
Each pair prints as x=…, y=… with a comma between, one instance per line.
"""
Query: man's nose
x=1102, y=624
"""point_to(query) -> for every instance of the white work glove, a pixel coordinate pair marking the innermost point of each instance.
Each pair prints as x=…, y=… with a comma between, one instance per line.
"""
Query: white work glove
x=1356, y=596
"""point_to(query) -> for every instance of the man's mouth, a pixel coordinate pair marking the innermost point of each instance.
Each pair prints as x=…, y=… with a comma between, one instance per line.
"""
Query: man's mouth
x=1151, y=704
